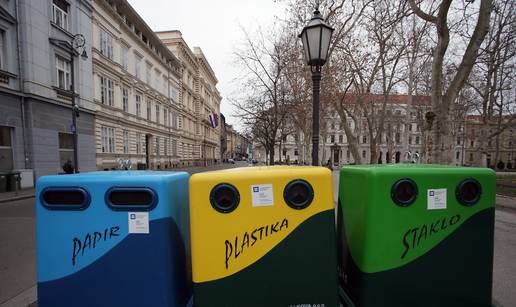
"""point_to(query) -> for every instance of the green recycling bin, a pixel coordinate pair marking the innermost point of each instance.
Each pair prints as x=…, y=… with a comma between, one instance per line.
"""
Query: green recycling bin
x=416, y=235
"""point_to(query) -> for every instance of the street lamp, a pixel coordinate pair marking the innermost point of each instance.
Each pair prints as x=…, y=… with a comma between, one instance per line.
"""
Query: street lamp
x=77, y=44
x=316, y=36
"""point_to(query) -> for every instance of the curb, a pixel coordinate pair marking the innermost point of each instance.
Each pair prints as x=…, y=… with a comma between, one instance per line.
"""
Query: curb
x=21, y=197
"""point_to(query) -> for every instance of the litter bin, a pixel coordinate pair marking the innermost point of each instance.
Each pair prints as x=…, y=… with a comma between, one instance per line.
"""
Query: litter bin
x=118, y=238
x=263, y=236
x=416, y=235
x=13, y=181
x=3, y=182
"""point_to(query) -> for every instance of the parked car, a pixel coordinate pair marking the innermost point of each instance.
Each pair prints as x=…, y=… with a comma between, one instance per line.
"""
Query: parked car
x=231, y=161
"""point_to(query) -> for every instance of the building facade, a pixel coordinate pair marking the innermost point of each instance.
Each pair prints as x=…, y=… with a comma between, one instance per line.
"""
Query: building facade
x=37, y=70
x=403, y=133
x=499, y=152
x=136, y=91
x=209, y=110
x=200, y=101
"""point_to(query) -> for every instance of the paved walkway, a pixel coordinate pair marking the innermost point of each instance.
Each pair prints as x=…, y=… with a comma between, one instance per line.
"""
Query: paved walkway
x=18, y=195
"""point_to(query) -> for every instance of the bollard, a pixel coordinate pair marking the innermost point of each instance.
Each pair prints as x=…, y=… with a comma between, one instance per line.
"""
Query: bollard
x=118, y=238
x=416, y=235
x=263, y=236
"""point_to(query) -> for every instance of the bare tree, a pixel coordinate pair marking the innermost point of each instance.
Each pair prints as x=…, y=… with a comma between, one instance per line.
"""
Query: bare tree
x=372, y=62
x=493, y=77
x=442, y=96
x=264, y=107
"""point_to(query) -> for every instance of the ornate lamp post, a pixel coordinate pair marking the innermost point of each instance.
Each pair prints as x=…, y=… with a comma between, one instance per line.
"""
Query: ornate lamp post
x=77, y=44
x=316, y=36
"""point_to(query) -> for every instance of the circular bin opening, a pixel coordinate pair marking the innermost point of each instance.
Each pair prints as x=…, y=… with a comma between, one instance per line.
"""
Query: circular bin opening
x=468, y=192
x=404, y=192
x=298, y=194
x=224, y=197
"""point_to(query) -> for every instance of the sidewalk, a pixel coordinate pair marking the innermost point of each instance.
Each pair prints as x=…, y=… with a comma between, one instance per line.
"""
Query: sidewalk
x=505, y=202
x=18, y=195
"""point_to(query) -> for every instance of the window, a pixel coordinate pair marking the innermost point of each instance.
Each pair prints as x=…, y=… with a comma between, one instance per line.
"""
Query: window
x=332, y=138
x=65, y=148
x=417, y=140
x=107, y=135
x=174, y=94
x=125, y=56
x=60, y=13
x=173, y=148
x=165, y=146
x=138, y=105
x=174, y=120
x=148, y=74
x=157, y=113
x=125, y=139
x=410, y=140
x=106, y=44
x=137, y=66
x=165, y=117
x=363, y=153
x=6, y=149
x=157, y=146
x=364, y=139
x=457, y=155
x=125, y=99
x=296, y=152
x=340, y=138
x=397, y=137
x=2, y=49
x=148, y=110
x=409, y=127
x=138, y=142
x=347, y=154
x=107, y=93
x=458, y=140
x=63, y=73
x=470, y=157
x=472, y=143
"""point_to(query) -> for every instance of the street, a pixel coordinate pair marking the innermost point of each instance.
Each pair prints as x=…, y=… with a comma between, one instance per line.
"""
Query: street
x=18, y=270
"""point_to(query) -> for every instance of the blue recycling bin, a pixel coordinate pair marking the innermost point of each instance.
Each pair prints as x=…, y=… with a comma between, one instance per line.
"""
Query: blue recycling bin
x=118, y=238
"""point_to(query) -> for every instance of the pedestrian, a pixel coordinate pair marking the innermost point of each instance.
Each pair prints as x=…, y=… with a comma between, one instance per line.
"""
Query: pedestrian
x=68, y=167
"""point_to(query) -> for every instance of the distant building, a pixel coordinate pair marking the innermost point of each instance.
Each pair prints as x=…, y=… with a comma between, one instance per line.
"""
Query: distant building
x=136, y=90
x=499, y=150
x=403, y=133
x=35, y=87
x=200, y=101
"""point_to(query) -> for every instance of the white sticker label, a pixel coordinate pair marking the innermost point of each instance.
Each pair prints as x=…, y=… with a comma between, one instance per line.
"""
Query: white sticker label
x=262, y=195
x=138, y=222
x=436, y=199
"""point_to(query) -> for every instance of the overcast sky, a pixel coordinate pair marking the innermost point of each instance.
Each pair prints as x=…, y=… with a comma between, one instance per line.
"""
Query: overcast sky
x=215, y=26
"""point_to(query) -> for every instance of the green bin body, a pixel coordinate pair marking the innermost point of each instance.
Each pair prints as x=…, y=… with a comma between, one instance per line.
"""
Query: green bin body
x=416, y=235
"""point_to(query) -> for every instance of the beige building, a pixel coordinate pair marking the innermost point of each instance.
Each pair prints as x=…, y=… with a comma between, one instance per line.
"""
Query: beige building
x=200, y=102
x=499, y=150
x=403, y=133
x=136, y=82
